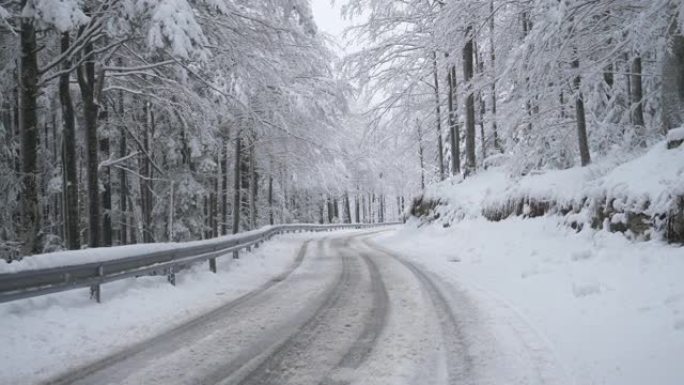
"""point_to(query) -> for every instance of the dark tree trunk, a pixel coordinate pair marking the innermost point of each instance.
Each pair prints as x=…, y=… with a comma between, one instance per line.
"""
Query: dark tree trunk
x=28, y=122
x=479, y=65
x=469, y=102
x=86, y=81
x=356, y=207
x=224, y=188
x=454, y=130
x=245, y=176
x=381, y=208
x=637, y=100
x=421, y=157
x=438, y=117
x=214, y=206
x=71, y=212
x=347, y=208
x=123, y=179
x=207, y=221
x=527, y=26
x=270, y=200
x=106, y=197
x=236, y=185
x=492, y=58
x=364, y=210
x=253, y=188
x=133, y=226
x=580, y=116
x=672, y=96
x=145, y=172
x=321, y=213
x=331, y=210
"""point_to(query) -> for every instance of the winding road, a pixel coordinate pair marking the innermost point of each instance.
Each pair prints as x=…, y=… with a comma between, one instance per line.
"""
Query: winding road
x=346, y=312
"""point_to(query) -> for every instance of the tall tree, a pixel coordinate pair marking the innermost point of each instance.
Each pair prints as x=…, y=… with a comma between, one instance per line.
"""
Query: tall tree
x=28, y=122
x=86, y=82
x=69, y=154
x=468, y=73
x=438, y=118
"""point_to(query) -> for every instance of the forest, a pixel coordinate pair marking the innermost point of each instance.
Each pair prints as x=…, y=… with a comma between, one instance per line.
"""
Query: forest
x=129, y=121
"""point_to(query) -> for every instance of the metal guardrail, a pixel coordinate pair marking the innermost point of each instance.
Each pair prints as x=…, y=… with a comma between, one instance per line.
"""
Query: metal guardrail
x=32, y=283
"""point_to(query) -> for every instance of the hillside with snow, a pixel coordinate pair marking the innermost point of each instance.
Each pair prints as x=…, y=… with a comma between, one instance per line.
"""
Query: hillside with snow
x=641, y=197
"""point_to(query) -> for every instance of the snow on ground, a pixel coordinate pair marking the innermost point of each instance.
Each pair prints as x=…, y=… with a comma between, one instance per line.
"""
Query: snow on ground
x=40, y=335
x=608, y=310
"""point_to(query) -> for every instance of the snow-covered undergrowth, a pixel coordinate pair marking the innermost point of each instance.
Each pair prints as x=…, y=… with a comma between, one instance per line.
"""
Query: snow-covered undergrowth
x=642, y=197
x=601, y=308
x=45, y=335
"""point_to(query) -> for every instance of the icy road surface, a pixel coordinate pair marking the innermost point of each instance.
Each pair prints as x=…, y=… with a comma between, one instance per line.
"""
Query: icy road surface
x=346, y=312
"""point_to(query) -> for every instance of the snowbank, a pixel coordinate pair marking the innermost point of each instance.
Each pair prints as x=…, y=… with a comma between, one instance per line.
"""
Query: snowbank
x=608, y=310
x=639, y=195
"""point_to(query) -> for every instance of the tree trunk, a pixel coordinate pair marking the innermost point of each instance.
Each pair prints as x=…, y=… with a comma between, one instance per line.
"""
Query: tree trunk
x=528, y=103
x=146, y=172
x=356, y=207
x=364, y=213
x=381, y=209
x=454, y=130
x=123, y=178
x=479, y=65
x=28, y=122
x=70, y=194
x=106, y=197
x=271, y=220
x=637, y=101
x=252, y=187
x=492, y=58
x=580, y=116
x=224, y=188
x=673, y=81
x=438, y=116
x=331, y=210
x=421, y=156
x=215, y=204
x=86, y=82
x=321, y=213
x=469, y=102
x=236, y=185
x=347, y=208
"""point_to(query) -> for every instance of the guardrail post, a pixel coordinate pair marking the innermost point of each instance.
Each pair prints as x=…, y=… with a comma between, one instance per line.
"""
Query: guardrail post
x=236, y=254
x=95, y=291
x=171, y=275
x=212, y=265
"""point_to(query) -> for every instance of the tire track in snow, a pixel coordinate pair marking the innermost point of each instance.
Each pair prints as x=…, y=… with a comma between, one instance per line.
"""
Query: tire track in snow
x=374, y=323
x=302, y=357
x=459, y=360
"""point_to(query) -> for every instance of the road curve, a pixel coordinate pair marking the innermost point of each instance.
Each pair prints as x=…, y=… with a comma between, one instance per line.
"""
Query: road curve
x=346, y=312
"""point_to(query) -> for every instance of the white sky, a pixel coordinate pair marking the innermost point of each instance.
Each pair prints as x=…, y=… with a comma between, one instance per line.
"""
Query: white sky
x=328, y=17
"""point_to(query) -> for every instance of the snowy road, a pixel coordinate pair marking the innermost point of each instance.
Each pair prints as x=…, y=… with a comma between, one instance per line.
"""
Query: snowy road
x=345, y=312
